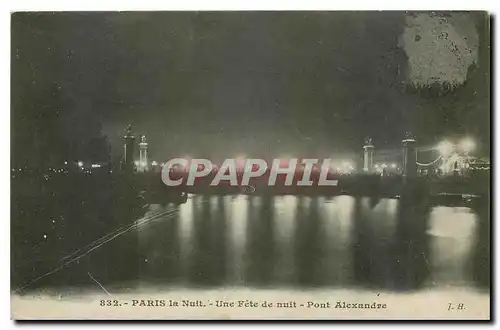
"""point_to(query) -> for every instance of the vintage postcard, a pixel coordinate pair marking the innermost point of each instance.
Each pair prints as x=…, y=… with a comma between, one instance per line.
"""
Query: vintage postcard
x=285, y=165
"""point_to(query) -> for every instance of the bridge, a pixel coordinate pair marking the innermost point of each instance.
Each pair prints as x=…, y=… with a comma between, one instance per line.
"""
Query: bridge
x=448, y=175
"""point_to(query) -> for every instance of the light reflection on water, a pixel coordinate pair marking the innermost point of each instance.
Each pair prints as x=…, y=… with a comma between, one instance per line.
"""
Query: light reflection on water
x=284, y=228
x=185, y=235
x=237, y=209
x=452, y=230
x=261, y=240
x=337, y=215
x=313, y=241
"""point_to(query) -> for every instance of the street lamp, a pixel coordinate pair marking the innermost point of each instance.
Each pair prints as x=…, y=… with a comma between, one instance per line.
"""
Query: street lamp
x=445, y=148
x=347, y=166
x=240, y=162
x=467, y=145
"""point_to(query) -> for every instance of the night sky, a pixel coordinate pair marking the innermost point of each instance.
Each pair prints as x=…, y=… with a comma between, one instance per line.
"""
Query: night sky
x=225, y=84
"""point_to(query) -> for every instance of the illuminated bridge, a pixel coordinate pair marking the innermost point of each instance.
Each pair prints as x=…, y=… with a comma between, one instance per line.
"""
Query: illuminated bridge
x=444, y=169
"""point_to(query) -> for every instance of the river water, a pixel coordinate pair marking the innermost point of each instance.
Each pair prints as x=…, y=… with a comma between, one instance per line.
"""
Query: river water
x=285, y=241
x=312, y=241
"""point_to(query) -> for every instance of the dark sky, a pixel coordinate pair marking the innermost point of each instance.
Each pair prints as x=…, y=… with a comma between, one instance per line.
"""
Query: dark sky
x=218, y=84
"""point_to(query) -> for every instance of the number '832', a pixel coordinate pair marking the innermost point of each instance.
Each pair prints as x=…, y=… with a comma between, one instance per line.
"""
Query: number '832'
x=109, y=303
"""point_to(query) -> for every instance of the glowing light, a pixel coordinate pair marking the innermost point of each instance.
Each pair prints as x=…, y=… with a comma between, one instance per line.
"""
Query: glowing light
x=136, y=163
x=154, y=163
x=240, y=161
x=65, y=162
x=96, y=165
x=45, y=236
x=80, y=163
x=384, y=165
x=445, y=148
x=467, y=144
x=393, y=165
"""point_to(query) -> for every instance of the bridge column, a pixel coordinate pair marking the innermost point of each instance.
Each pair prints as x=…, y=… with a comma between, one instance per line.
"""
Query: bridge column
x=143, y=154
x=128, y=152
x=409, y=156
x=368, y=156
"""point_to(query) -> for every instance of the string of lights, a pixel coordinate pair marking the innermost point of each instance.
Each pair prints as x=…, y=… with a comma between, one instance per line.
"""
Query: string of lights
x=428, y=164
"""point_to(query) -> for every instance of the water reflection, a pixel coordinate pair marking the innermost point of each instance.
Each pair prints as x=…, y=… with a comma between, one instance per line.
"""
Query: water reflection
x=410, y=243
x=285, y=214
x=452, y=230
x=373, y=232
x=276, y=241
x=307, y=241
x=260, y=247
x=160, y=249
x=481, y=255
x=237, y=208
x=313, y=241
x=337, y=260
x=208, y=241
